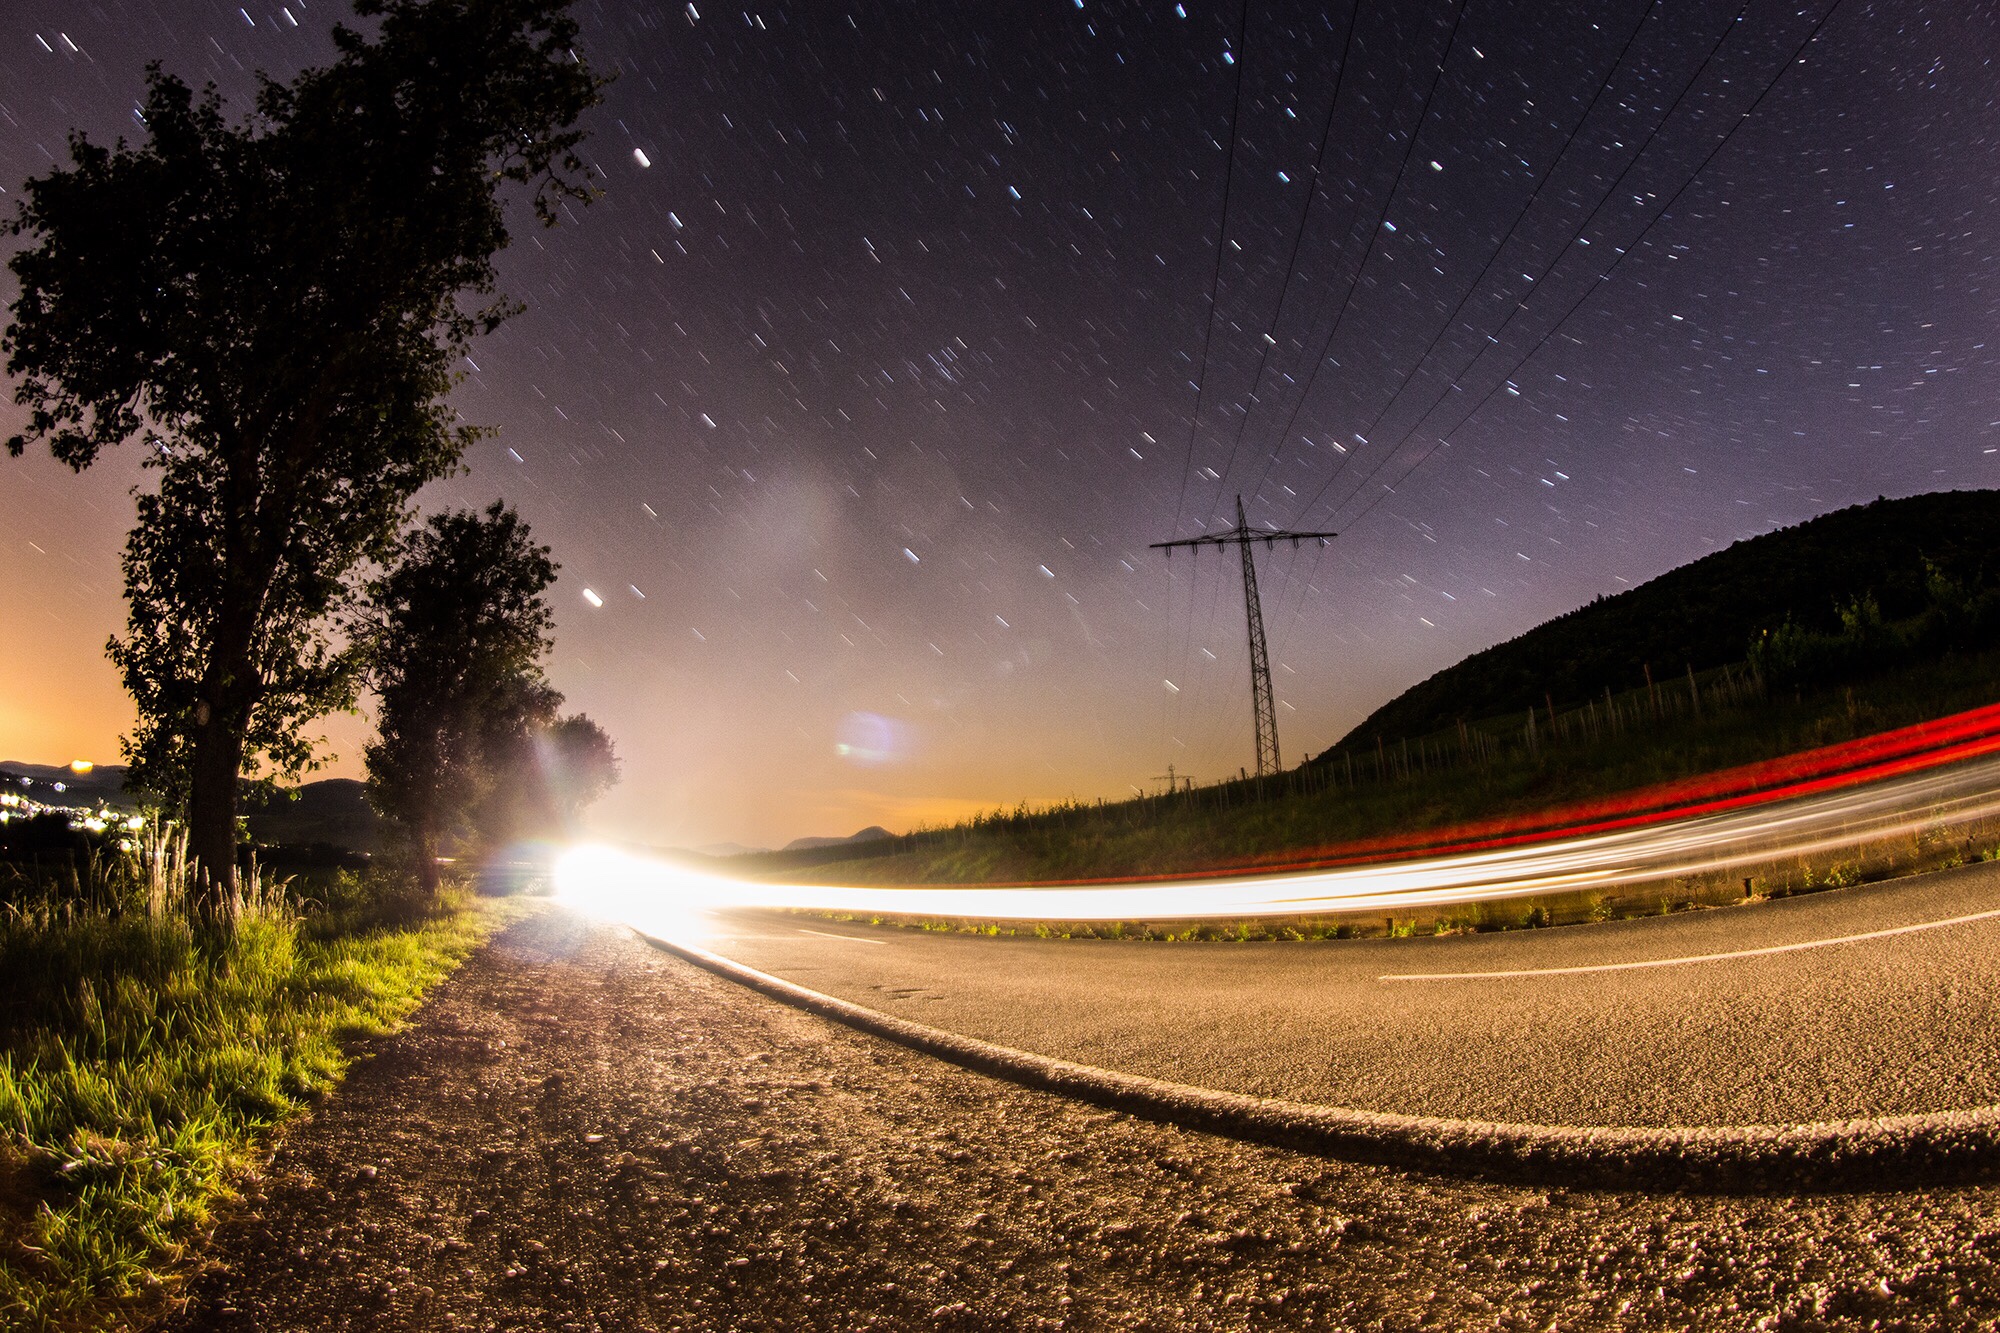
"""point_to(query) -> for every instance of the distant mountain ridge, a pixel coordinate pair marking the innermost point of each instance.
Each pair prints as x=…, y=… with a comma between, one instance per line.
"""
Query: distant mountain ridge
x=1705, y=613
x=873, y=833
x=334, y=811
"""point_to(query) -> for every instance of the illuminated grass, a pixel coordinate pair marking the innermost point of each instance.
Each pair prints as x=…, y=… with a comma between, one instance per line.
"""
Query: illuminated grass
x=145, y=1061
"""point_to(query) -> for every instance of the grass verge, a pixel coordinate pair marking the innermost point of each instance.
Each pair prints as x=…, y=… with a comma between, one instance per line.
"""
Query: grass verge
x=146, y=1057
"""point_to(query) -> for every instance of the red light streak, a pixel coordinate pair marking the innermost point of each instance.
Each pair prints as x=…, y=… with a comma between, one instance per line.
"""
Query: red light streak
x=1895, y=753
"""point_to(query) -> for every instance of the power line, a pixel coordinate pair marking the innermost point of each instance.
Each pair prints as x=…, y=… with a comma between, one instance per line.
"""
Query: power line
x=1291, y=267
x=1375, y=234
x=1535, y=284
x=1263, y=711
x=1535, y=281
x=1402, y=170
x=1589, y=291
x=1611, y=192
x=1208, y=334
x=1268, y=341
x=1444, y=330
x=1221, y=241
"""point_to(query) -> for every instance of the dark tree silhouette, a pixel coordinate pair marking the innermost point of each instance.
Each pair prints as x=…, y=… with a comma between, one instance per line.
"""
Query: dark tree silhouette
x=583, y=766
x=276, y=308
x=544, y=774
x=459, y=628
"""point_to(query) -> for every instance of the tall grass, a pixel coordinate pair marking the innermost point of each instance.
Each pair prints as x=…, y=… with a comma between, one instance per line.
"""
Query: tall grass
x=147, y=1053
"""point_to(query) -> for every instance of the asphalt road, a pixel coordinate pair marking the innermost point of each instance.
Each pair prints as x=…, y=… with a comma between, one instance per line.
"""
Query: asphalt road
x=1895, y=1024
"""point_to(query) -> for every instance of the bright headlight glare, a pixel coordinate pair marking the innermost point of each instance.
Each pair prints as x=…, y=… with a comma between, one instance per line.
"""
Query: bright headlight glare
x=651, y=896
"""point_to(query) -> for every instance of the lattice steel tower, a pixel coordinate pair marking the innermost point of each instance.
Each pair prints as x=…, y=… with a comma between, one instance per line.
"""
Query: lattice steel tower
x=1262, y=708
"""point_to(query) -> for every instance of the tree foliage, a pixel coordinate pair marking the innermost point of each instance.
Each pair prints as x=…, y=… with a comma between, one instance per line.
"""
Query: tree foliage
x=277, y=306
x=545, y=774
x=1954, y=616
x=459, y=627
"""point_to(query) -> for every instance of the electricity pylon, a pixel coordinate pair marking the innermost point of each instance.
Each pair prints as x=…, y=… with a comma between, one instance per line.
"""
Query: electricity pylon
x=1262, y=710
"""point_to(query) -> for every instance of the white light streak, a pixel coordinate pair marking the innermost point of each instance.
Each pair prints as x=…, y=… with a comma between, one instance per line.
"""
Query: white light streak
x=1901, y=807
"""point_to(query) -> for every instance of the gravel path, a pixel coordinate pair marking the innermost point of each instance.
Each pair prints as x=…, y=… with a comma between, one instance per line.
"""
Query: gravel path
x=584, y=1133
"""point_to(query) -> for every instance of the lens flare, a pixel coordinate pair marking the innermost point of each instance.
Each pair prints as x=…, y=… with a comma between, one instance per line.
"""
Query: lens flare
x=870, y=739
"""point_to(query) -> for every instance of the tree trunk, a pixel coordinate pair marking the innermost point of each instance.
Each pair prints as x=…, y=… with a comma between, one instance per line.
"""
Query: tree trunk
x=427, y=863
x=228, y=693
x=217, y=764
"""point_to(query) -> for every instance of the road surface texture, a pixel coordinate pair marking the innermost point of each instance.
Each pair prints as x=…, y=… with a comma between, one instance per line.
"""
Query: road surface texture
x=1897, y=1024
x=582, y=1132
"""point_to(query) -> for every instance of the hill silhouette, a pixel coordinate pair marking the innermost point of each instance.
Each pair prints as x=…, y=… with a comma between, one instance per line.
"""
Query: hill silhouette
x=1706, y=613
x=873, y=833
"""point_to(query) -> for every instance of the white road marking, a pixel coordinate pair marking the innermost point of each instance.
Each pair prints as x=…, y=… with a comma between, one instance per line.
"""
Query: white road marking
x=856, y=939
x=1692, y=958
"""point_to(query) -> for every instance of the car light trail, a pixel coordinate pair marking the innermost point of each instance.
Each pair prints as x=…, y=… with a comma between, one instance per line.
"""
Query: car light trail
x=1945, y=791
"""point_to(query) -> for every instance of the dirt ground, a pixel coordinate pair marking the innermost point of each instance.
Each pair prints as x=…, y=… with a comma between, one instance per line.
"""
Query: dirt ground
x=581, y=1132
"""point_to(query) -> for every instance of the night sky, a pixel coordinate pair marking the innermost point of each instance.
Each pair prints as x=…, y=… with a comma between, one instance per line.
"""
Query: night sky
x=859, y=395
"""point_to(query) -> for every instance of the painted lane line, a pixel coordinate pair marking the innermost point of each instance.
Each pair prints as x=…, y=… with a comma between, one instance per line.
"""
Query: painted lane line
x=852, y=939
x=1691, y=958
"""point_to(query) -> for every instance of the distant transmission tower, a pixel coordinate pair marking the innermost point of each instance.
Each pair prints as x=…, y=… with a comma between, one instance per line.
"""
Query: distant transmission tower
x=1261, y=708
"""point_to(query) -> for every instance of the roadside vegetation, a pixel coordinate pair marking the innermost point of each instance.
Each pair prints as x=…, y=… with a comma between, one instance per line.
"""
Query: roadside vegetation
x=1832, y=599
x=1834, y=646
x=1318, y=810
x=149, y=1049
x=470, y=753
x=153, y=1034
x=276, y=319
